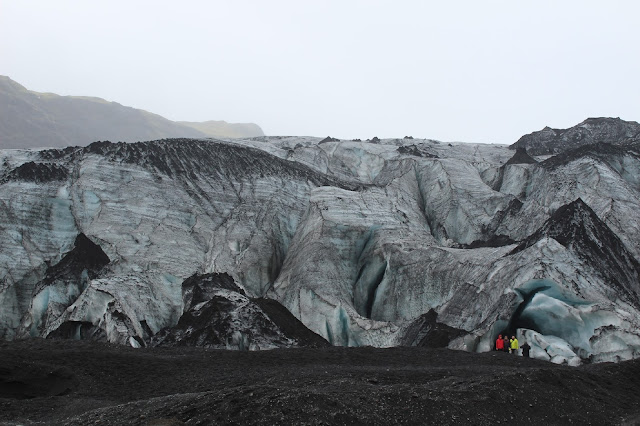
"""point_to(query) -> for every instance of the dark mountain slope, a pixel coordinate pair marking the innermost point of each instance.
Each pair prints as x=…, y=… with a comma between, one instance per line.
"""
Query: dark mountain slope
x=222, y=129
x=31, y=120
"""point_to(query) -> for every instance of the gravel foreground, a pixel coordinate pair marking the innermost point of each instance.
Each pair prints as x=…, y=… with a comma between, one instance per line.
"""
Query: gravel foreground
x=61, y=382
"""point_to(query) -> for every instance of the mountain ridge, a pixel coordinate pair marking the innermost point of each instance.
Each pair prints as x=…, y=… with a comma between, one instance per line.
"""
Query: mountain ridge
x=32, y=120
x=591, y=131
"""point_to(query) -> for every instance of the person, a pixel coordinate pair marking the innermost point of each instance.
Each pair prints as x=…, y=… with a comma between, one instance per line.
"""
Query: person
x=500, y=343
x=525, y=349
x=514, y=345
x=506, y=346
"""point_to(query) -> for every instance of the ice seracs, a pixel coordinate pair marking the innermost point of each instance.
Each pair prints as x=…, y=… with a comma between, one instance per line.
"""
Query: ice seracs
x=365, y=242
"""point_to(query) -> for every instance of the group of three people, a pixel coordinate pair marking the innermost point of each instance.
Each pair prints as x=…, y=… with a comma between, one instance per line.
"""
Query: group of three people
x=511, y=345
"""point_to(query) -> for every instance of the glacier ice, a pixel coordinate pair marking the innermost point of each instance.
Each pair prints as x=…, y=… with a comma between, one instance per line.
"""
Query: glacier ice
x=358, y=240
x=548, y=347
x=568, y=329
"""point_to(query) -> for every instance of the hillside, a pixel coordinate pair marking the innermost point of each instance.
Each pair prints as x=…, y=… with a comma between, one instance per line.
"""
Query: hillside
x=30, y=120
x=222, y=129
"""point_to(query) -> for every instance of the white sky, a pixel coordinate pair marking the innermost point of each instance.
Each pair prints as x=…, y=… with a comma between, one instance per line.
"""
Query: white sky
x=473, y=71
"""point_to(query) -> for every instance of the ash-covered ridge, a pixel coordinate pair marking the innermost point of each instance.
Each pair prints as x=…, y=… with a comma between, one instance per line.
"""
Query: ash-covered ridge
x=578, y=228
x=521, y=157
x=217, y=314
x=592, y=130
x=376, y=242
x=193, y=157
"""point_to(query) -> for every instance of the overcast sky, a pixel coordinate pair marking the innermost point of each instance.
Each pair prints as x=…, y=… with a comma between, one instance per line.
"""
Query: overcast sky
x=473, y=71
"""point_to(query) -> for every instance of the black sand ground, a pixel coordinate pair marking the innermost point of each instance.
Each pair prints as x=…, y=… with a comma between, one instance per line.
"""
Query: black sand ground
x=80, y=383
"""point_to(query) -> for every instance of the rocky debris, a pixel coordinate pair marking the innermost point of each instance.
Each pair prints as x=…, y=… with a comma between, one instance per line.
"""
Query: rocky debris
x=201, y=288
x=36, y=172
x=217, y=314
x=593, y=130
x=493, y=241
x=53, y=154
x=329, y=139
x=227, y=321
x=291, y=326
x=427, y=332
x=416, y=151
x=116, y=385
x=521, y=157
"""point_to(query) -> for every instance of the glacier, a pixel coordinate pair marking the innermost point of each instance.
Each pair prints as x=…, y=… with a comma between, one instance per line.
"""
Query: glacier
x=359, y=240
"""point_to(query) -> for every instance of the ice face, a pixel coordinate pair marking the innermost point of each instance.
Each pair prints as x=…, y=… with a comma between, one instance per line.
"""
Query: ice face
x=458, y=203
x=356, y=239
x=548, y=348
x=566, y=327
x=603, y=185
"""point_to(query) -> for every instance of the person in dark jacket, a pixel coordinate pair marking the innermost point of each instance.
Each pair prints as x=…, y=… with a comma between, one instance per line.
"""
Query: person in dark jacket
x=500, y=343
x=525, y=349
x=506, y=343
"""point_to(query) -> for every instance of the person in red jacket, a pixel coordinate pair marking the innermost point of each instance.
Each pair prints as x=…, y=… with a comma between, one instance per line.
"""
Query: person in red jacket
x=500, y=343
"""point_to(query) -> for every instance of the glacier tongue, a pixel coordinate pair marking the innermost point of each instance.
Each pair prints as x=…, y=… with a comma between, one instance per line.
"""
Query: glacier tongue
x=359, y=240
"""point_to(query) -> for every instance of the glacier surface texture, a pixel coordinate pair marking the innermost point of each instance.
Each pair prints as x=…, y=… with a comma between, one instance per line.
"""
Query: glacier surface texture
x=377, y=242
